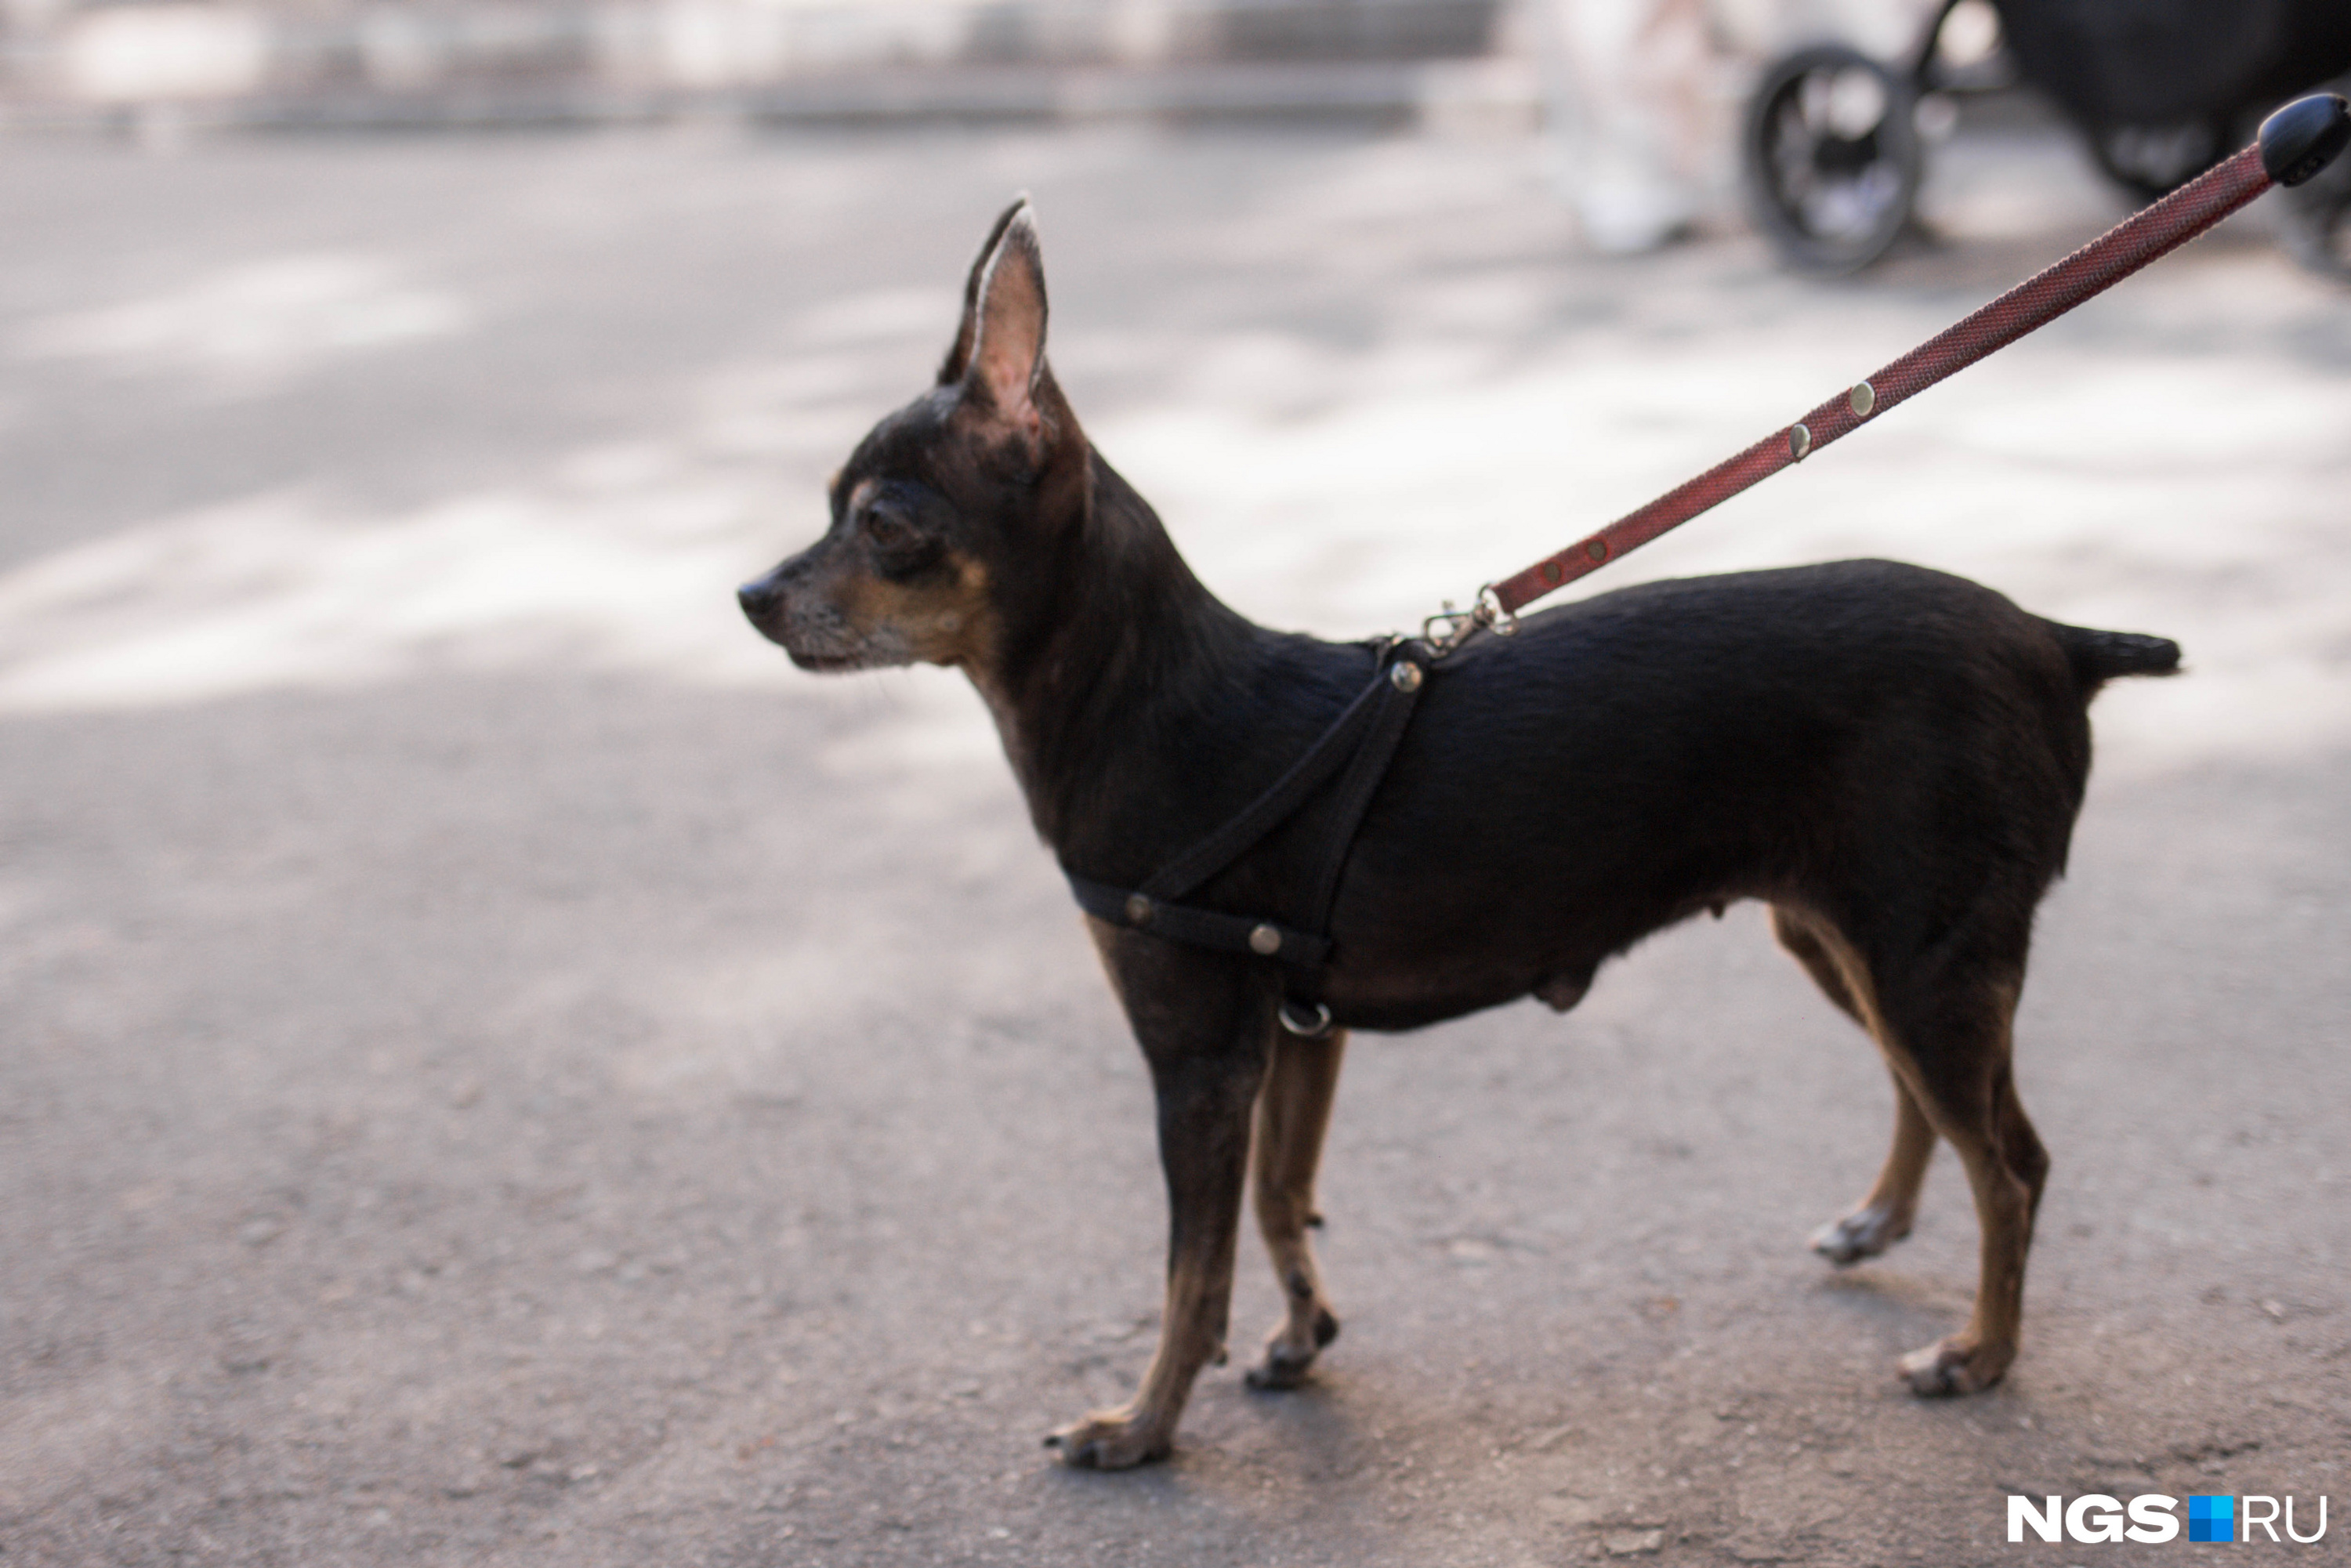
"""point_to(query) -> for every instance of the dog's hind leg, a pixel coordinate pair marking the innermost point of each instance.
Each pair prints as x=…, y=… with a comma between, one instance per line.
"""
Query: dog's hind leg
x=1883, y=1218
x=1807, y=941
x=1203, y=1021
x=1949, y=1042
x=1292, y=1110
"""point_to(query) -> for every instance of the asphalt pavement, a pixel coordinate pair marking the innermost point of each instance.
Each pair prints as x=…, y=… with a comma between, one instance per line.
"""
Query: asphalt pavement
x=496, y=1067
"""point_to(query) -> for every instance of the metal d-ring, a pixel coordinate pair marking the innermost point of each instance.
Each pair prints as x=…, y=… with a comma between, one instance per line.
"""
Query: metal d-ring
x=1298, y=1021
x=1492, y=613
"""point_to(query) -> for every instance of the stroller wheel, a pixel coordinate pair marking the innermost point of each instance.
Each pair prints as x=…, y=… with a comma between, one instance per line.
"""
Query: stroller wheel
x=1832, y=158
x=2152, y=161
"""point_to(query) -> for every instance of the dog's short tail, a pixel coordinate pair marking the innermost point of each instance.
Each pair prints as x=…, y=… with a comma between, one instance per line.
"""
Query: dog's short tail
x=2099, y=657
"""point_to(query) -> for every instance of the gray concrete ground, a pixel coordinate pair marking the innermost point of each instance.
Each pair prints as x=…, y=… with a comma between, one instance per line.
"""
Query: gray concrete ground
x=498, y=1069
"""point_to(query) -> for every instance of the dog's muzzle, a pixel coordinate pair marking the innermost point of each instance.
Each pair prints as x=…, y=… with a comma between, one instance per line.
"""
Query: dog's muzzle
x=758, y=600
x=810, y=632
x=766, y=604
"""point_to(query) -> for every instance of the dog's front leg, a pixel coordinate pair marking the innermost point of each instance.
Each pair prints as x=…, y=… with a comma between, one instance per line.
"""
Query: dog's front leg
x=1292, y=1115
x=1203, y=1021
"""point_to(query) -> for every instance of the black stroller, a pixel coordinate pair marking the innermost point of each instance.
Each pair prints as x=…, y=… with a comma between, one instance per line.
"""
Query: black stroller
x=2161, y=90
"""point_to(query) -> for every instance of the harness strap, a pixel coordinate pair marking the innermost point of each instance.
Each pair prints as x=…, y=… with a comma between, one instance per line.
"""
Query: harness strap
x=1361, y=741
x=1221, y=848
x=1199, y=927
x=1356, y=787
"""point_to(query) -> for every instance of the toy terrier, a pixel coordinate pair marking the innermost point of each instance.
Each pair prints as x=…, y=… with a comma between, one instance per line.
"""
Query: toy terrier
x=1891, y=758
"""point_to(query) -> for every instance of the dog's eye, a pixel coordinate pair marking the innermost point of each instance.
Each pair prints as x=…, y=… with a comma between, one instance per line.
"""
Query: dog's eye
x=900, y=549
x=890, y=534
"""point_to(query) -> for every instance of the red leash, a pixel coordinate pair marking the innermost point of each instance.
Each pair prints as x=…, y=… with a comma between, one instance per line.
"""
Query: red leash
x=2295, y=143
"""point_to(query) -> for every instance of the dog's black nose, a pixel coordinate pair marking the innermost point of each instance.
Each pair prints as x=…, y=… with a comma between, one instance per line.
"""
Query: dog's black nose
x=755, y=598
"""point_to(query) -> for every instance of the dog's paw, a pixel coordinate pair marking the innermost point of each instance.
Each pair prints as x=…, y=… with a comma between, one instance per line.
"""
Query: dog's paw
x=1288, y=1352
x=1955, y=1365
x=1863, y=1233
x=1112, y=1440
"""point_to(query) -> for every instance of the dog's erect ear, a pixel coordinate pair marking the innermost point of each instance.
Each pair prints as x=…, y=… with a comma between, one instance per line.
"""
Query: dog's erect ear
x=1006, y=373
x=958, y=358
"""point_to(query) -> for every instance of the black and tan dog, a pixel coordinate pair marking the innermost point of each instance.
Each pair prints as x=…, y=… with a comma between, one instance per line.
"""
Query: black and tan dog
x=1890, y=756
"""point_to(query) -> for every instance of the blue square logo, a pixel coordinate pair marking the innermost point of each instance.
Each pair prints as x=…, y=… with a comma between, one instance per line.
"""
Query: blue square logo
x=2211, y=1519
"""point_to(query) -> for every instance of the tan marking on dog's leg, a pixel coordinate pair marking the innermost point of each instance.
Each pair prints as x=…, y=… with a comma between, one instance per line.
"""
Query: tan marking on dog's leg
x=1205, y=1043
x=1293, y=1110
x=1884, y=1216
x=1191, y=1336
x=1809, y=944
x=1977, y=1356
x=1973, y=1105
x=1969, y=1098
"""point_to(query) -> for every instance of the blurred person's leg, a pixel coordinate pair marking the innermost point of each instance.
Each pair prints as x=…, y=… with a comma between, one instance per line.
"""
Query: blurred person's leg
x=1759, y=29
x=1645, y=97
x=1633, y=120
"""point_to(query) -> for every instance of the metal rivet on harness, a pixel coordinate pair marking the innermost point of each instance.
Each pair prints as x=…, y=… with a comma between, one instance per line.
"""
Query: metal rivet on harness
x=1800, y=441
x=1552, y=573
x=1138, y=909
x=1405, y=675
x=1862, y=397
x=1264, y=940
x=1597, y=550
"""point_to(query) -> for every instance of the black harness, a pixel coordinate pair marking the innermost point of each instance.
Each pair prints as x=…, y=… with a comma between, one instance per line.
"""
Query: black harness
x=1356, y=750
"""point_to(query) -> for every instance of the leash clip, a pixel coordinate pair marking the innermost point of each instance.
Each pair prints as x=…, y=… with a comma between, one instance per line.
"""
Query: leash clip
x=1491, y=612
x=1449, y=628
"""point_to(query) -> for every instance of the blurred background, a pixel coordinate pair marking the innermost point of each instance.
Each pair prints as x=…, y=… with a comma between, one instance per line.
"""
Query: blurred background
x=497, y=1067
x=1653, y=109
